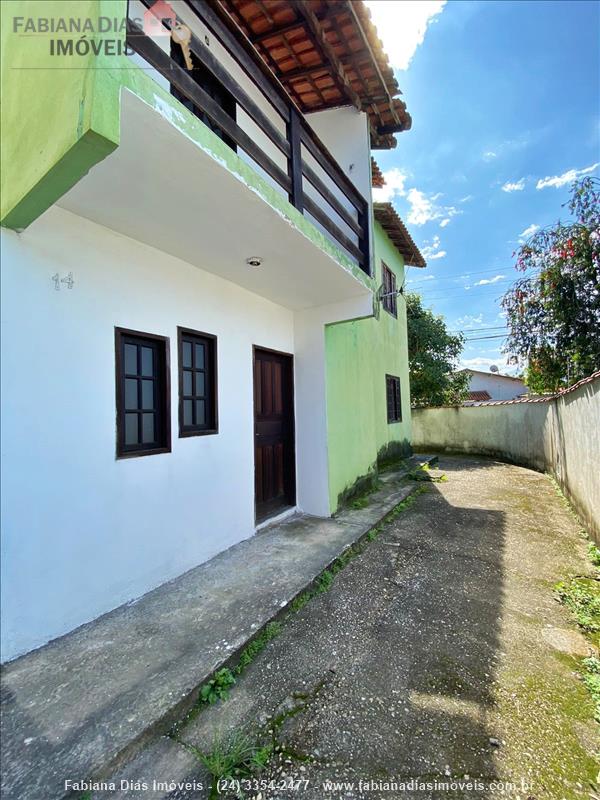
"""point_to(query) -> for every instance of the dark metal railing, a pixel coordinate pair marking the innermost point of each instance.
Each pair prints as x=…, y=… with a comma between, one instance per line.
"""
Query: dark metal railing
x=299, y=135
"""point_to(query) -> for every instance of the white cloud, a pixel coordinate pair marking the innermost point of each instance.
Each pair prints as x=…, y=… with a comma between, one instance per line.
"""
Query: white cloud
x=485, y=281
x=432, y=251
x=466, y=198
x=402, y=24
x=420, y=280
x=508, y=146
x=484, y=364
x=468, y=321
x=567, y=177
x=517, y=186
x=528, y=232
x=424, y=208
x=394, y=186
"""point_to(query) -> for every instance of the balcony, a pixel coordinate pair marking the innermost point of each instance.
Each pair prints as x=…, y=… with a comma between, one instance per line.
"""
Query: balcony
x=252, y=113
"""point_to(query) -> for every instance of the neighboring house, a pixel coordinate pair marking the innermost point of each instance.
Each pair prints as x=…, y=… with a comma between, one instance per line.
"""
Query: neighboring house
x=493, y=386
x=203, y=324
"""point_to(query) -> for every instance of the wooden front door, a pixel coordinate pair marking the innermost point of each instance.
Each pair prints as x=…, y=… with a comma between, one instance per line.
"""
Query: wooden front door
x=275, y=480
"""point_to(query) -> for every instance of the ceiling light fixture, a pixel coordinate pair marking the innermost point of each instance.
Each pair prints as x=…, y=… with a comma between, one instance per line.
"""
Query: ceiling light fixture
x=254, y=261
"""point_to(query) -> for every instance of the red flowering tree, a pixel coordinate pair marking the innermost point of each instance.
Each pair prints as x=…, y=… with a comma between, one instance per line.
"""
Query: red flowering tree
x=553, y=310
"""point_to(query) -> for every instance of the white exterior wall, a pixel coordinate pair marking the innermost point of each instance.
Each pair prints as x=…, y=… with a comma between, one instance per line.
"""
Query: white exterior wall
x=499, y=387
x=82, y=531
x=560, y=435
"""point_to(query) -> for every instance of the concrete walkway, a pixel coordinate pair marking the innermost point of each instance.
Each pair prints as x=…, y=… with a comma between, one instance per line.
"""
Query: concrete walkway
x=87, y=703
x=438, y=656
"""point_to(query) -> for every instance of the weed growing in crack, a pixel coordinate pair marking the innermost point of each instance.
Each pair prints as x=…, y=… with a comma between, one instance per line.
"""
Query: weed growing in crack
x=581, y=596
x=257, y=645
x=591, y=680
x=594, y=554
x=231, y=759
x=217, y=688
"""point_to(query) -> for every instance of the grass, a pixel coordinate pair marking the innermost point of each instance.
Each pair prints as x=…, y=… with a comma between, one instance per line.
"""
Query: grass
x=591, y=680
x=362, y=500
x=257, y=645
x=582, y=597
x=231, y=759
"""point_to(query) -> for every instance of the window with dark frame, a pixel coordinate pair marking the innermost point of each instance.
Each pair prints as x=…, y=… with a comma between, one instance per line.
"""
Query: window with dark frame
x=142, y=382
x=394, y=403
x=197, y=383
x=390, y=302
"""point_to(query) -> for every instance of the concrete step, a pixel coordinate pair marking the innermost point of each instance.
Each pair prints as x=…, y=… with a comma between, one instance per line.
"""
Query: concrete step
x=84, y=705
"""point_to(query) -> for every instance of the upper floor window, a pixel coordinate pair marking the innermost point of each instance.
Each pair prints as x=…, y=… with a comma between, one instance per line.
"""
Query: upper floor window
x=212, y=86
x=142, y=382
x=389, y=291
x=394, y=402
x=197, y=383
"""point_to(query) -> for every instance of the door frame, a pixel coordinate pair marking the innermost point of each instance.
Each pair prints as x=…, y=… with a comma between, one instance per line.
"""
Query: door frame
x=290, y=458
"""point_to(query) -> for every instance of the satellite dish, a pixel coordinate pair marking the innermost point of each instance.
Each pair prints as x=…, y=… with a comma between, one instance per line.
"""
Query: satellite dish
x=494, y=368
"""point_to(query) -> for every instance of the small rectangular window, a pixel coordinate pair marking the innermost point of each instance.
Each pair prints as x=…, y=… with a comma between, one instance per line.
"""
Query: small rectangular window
x=197, y=383
x=394, y=403
x=390, y=303
x=142, y=383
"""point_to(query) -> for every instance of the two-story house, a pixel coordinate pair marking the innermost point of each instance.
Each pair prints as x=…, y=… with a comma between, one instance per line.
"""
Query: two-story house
x=202, y=320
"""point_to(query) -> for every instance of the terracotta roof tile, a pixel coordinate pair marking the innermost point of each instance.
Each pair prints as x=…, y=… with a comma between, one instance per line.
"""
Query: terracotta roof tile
x=388, y=218
x=326, y=53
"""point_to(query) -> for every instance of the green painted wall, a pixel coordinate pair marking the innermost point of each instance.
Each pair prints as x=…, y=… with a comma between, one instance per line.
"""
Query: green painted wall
x=57, y=119
x=358, y=356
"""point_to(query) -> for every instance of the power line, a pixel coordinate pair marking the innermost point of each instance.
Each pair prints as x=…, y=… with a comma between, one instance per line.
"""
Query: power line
x=481, y=338
x=428, y=298
x=465, y=289
x=467, y=275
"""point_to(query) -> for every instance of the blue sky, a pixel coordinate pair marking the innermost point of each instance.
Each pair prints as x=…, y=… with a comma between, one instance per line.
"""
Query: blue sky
x=505, y=99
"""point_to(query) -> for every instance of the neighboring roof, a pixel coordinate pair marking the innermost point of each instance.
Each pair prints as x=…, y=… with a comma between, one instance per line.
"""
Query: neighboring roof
x=493, y=374
x=377, y=179
x=389, y=220
x=327, y=54
x=478, y=396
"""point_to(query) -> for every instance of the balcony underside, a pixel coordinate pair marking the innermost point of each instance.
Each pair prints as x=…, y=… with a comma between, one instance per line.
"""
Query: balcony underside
x=161, y=188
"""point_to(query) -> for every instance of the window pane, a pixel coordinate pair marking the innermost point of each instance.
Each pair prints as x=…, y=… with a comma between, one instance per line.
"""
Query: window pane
x=147, y=361
x=147, y=428
x=187, y=354
x=199, y=356
x=131, y=429
x=147, y=394
x=131, y=393
x=200, y=384
x=200, y=414
x=187, y=383
x=187, y=412
x=130, y=359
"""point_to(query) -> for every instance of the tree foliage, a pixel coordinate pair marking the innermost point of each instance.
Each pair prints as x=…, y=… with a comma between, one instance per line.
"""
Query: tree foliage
x=433, y=355
x=553, y=311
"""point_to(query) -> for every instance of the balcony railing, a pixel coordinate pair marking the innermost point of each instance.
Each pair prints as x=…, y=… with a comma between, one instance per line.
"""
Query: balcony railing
x=307, y=172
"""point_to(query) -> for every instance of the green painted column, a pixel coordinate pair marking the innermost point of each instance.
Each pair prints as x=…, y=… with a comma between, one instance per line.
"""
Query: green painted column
x=359, y=354
x=60, y=113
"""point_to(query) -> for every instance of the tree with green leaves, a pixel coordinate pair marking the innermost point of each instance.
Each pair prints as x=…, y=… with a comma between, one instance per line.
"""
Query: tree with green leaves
x=553, y=311
x=433, y=358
